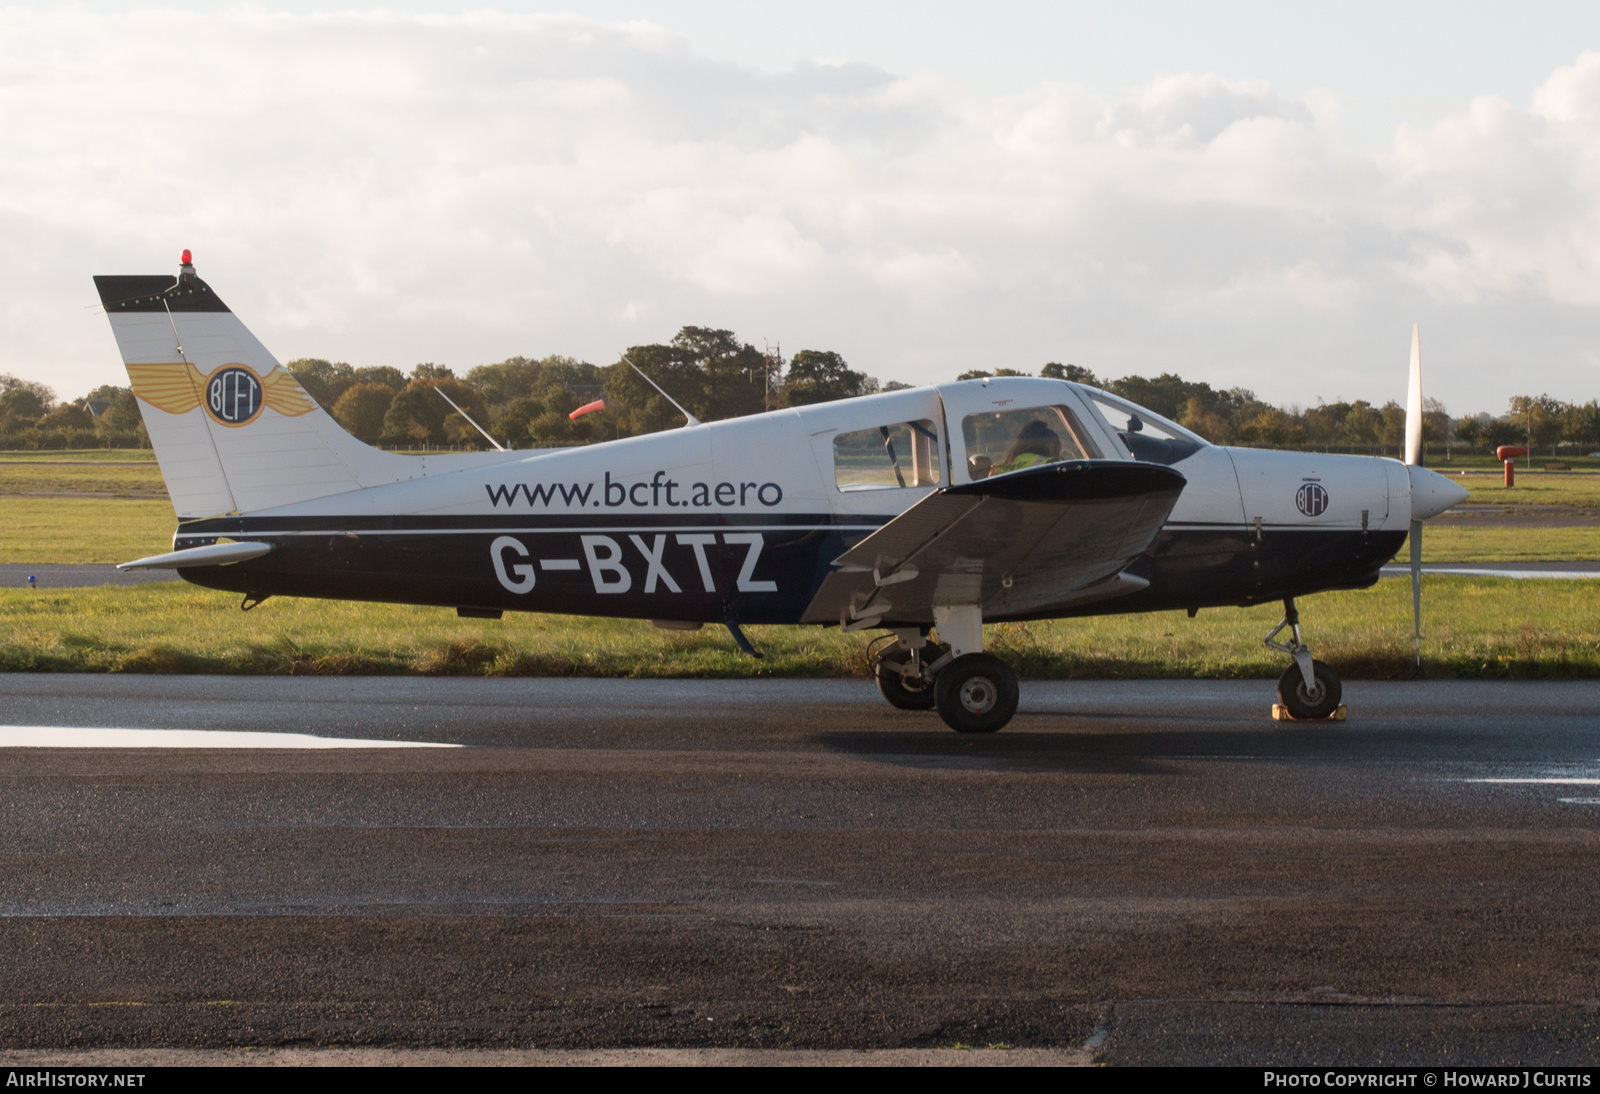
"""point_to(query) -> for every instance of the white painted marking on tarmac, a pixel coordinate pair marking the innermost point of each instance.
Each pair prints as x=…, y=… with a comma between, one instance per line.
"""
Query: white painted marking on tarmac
x=1461, y=571
x=1540, y=782
x=79, y=737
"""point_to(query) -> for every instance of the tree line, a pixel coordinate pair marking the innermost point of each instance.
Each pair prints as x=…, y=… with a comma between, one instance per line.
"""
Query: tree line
x=525, y=402
x=1236, y=417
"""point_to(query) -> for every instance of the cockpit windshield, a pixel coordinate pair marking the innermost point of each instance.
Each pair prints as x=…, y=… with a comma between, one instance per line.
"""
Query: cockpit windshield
x=1148, y=437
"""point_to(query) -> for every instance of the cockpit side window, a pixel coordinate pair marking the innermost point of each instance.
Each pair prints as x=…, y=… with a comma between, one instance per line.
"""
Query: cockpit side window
x=1011, y=440
x=1148, y=437
x=889, y=457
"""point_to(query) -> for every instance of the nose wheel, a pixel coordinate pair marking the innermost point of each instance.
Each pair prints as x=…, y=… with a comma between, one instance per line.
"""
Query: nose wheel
x=1319, y=701
x=1309, y=690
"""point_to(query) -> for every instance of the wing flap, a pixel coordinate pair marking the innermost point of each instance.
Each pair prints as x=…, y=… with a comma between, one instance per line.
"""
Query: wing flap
x=1017, y=544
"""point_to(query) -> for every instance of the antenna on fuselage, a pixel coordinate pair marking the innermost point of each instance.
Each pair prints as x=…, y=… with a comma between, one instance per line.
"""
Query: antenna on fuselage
x=497, y=445
x=692, y=419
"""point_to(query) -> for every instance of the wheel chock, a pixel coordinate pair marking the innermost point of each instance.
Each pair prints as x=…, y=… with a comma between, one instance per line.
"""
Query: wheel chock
x=1280, y=713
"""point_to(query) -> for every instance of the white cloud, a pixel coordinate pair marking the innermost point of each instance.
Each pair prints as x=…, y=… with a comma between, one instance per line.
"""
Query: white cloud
x=389, y=189
x=1505, y=201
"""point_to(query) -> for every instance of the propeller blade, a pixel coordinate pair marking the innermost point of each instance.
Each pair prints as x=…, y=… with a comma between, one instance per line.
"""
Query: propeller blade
x=1414, y=400
x=1416, y=586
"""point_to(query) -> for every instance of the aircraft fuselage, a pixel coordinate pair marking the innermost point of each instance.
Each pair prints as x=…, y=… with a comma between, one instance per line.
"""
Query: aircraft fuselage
x=742, y=519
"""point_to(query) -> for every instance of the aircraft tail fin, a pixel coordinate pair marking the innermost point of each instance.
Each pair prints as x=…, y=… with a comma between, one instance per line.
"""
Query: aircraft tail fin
x=232, y=429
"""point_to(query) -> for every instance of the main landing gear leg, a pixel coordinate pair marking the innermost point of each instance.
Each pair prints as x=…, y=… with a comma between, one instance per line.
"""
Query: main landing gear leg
x=1309, y=690
x=974, y=692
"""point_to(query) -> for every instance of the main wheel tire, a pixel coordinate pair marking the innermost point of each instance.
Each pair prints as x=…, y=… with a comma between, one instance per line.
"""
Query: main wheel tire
x=897, y=690
x=1319, y=702
x=976, y=693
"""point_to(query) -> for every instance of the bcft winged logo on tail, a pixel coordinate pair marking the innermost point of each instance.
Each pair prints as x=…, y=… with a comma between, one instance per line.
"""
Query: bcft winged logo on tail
x=232, y=395
x=921, y=513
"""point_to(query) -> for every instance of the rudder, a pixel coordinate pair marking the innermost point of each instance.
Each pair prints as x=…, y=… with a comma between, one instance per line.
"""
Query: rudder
x=232, y=429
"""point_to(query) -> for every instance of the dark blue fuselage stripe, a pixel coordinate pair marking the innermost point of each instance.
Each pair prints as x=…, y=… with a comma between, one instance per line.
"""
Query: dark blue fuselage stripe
x=754, y=573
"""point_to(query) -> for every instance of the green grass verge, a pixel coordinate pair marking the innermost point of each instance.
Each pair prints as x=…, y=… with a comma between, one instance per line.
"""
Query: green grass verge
x=1576, y=489
x=1474, y=628
x=80, y=530
x=82, y=455
x=35, y=530
x=134, y=471
x=1460, y=461
x=94, y=470
x=1455, y=544
x=19, y=477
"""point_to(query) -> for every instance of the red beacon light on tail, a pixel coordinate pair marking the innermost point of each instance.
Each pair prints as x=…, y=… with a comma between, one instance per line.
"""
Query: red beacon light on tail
x=186, y=259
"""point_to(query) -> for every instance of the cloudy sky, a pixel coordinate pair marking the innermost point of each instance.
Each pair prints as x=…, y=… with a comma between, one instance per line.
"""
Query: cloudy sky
x=1241, y=193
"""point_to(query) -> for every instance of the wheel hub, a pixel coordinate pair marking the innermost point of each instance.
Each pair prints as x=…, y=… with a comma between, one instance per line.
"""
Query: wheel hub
x=979, y=695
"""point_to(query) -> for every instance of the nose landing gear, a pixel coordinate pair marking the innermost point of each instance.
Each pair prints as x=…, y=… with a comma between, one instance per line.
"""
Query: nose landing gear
x=1309, y=690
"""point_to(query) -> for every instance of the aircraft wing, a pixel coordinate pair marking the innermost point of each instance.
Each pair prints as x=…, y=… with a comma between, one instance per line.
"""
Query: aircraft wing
x=1022, y=543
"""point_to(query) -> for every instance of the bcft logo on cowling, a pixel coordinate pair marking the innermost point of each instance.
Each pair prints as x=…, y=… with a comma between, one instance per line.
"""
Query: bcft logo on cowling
x=1311, y=499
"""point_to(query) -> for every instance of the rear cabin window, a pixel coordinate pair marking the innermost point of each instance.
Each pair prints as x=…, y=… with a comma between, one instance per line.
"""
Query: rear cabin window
x=889, y=457
x=1011, y=440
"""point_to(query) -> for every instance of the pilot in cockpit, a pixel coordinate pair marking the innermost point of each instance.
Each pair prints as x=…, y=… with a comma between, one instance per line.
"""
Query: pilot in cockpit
x=1036, y=443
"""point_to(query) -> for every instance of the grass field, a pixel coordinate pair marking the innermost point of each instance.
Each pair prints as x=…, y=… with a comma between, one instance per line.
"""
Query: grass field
x=1577, y=489
x=134, y=472
x=1453, y=544
x=105, y=477
x=82, y=455
x=75, y=530
x=78, y=530
x=121, y=471
x=1461, y=461
x=1474, y=628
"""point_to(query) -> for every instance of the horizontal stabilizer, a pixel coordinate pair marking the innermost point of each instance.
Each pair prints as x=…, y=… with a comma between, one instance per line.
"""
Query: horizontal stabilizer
x=1017, y=545
x=215, y=554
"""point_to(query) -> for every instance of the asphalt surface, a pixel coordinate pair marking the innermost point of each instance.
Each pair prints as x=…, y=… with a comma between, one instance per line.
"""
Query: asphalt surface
x=1587, y=571
x=76, y=575
x=1139, y=872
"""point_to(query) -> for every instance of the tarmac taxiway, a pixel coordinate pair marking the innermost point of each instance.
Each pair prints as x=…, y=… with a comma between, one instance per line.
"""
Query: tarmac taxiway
x=1139, y=872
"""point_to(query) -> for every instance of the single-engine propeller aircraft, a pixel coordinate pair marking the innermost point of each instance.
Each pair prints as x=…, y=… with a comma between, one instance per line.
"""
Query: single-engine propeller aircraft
x=923, y=513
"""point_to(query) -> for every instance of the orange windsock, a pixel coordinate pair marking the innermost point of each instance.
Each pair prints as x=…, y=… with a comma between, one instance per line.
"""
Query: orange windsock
x=588, y=408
